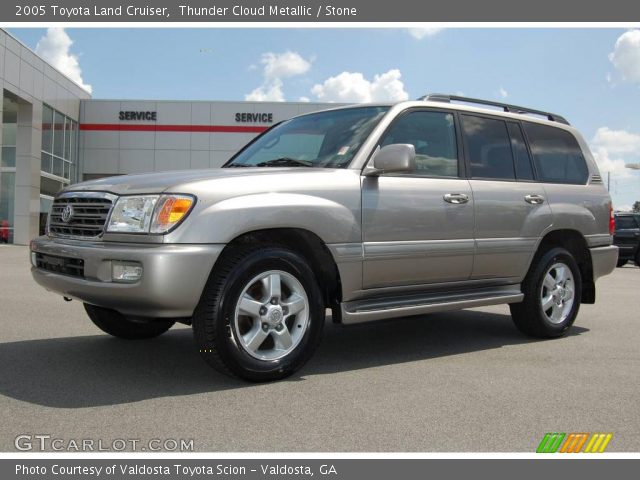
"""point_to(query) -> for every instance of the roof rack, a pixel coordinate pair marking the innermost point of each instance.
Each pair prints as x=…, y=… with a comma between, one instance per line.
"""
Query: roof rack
x=439, y=97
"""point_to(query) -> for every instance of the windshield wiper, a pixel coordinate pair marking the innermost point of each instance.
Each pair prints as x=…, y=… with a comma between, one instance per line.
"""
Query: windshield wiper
x=285, y=162
x=238, y=165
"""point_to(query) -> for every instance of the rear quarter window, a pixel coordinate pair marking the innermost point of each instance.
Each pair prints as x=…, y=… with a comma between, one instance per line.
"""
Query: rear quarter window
x=556, y=154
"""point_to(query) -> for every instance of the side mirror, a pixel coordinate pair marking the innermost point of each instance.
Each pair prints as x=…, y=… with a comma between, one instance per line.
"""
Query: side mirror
x=398, y=157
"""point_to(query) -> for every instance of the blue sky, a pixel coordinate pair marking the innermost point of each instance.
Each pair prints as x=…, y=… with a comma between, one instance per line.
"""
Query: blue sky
x=591, y=76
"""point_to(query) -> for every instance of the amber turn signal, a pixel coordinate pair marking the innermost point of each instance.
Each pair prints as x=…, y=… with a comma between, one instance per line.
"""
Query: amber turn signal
x=170, y=210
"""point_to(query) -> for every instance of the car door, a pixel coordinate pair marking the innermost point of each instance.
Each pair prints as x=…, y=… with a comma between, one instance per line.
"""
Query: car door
x=417, y=226
x=511, y=212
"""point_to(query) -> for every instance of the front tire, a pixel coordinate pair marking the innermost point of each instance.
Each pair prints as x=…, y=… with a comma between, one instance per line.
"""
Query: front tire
x=552, y=293
x=621, y=263
x=261, y=314
x=118, y=325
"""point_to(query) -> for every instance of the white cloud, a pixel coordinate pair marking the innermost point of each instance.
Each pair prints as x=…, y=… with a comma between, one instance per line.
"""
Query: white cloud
x=55, y=47
x=284, y=65
x=616, y=166
x=614, y=150
x=503, y=93
x=626, y=56
x=354, y=87
x=304, y=99
x=276, y=67
x=420, y=33
x=616, y=141
x=270, y=91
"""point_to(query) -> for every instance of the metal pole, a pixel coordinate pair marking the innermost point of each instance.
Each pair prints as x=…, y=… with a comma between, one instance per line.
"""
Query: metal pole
x=609, y=181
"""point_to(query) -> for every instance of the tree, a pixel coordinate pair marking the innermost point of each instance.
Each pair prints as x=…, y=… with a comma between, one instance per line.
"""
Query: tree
x=636, y=206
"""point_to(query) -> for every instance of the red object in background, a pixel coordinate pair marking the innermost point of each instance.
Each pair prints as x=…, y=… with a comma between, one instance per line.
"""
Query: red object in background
x=4, y=231
x=612, y=221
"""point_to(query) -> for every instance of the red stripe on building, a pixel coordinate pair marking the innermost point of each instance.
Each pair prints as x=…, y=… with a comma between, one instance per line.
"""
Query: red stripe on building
x=145, y=127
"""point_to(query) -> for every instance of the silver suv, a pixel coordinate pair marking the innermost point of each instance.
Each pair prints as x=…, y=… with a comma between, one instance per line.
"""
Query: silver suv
x=372, y=211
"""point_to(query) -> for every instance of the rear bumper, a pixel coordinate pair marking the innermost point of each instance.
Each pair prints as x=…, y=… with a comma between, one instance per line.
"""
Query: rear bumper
x=604, y=260
x=172, y=281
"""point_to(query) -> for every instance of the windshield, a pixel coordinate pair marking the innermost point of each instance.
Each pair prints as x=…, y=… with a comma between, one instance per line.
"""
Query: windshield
x=324, y=139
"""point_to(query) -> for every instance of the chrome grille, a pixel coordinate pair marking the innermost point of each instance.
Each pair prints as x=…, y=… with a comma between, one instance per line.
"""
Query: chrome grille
x=90, y=213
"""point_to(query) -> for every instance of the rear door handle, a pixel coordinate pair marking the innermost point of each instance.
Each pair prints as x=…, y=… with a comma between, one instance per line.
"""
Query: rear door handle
x=456, y=198
x=534, y=199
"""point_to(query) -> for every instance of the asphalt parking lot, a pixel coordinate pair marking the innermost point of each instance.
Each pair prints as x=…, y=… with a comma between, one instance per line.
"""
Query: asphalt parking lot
x=463, y=381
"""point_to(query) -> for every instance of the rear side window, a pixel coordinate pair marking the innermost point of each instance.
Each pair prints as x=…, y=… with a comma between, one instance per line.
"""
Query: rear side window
x=488, y=147
x=557, y=155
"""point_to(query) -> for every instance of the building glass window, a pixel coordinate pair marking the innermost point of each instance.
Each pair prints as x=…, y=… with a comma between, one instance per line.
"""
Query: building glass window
x=8, y=167
x=59, y=144
x=58, y=134
x=58, y=157
x=7, y=199
x=46, y=202
x=47, y=129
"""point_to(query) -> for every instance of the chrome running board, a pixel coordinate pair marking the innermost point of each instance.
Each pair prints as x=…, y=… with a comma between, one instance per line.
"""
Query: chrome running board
x=359, y=311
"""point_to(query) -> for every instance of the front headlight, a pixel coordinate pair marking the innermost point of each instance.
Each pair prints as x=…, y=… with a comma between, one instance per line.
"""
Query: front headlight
x=149, y=213
x=132, y=214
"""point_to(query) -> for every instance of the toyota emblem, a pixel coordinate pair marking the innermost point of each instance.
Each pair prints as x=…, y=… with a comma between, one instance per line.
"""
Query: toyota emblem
x=67, y=214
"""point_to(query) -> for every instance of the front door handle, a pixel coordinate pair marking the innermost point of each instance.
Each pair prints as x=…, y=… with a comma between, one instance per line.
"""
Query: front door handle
x=456, y=198
x=534, y=199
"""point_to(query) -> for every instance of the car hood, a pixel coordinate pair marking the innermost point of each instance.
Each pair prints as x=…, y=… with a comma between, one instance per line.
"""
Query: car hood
x=177, y=180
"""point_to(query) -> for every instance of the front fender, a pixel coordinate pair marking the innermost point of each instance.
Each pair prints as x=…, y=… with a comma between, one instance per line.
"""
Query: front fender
x=225, y=220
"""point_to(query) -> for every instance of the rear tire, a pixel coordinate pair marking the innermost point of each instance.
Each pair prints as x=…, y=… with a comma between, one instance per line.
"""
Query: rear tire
x=118, y=325
x=621, y=263
x=637, y=259
x=552, y=293
x=261, y=314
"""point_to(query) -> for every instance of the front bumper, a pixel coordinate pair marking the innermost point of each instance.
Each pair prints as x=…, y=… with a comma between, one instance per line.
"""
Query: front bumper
x=172, y=281
x=603, y=260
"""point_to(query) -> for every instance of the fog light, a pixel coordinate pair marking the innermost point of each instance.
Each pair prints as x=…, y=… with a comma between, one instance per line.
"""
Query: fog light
x=34, y=260
x=125, y=272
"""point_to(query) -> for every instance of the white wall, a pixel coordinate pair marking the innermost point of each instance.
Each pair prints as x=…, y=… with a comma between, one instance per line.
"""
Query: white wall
x=114, y=151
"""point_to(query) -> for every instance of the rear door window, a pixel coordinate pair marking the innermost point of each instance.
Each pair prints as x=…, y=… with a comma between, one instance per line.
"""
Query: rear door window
x=557, y=155
x=488, y=148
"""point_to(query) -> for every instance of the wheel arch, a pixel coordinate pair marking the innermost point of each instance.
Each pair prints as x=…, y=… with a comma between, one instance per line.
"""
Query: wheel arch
x=575, y=243
x=311, y=247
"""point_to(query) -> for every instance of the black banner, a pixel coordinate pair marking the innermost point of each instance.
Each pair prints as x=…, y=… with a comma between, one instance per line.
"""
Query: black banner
x=356, y=469
x=217, y=11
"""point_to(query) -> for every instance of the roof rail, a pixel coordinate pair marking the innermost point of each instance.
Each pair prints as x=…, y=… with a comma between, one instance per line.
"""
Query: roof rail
x=439, y=97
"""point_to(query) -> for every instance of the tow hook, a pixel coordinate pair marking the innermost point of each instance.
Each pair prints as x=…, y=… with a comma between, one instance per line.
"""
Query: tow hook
x=66, y=299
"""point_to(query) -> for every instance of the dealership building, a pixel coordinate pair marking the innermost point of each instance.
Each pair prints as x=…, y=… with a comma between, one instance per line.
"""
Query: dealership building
x=54, y=134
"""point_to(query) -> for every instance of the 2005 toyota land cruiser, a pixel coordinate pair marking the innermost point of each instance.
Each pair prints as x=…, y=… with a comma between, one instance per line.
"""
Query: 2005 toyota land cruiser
x=373, y=211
